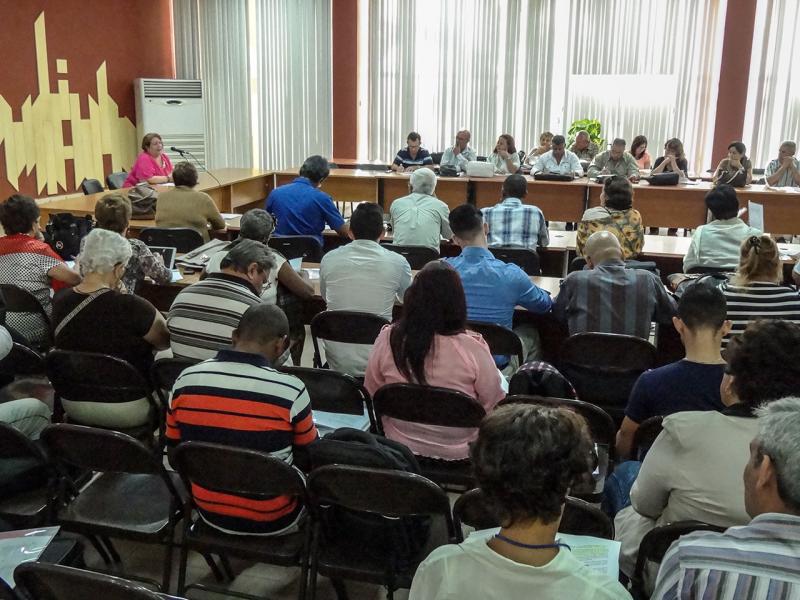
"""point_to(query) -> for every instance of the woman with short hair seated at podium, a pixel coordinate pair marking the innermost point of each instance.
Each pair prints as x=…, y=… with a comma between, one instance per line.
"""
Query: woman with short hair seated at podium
x=152, y=165
x=186, y=207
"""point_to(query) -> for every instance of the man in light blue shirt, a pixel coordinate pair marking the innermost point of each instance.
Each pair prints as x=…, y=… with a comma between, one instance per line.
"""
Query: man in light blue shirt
x=559, y=160
x=460, y=153
x=512, y=223
x=493, y=288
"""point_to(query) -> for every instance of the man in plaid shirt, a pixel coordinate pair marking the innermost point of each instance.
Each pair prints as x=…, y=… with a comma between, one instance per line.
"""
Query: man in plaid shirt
x=512, y=223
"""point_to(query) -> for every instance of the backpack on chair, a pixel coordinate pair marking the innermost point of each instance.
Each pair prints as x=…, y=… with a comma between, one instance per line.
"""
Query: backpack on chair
x=64, y=232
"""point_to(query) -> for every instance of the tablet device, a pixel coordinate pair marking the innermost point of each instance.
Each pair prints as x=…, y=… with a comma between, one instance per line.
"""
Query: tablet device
x=167, y=253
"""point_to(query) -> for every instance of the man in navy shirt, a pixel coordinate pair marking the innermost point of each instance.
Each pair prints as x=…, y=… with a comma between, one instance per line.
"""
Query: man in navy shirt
x=492, y=287
x=301, y=208
x=413, y=156
x=689, y=384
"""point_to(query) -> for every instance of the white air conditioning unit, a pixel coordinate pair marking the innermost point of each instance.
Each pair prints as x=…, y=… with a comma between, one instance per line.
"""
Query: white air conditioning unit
x=174, y=109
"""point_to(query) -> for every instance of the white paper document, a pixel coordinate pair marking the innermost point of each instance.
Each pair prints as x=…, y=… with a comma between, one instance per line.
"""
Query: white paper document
x=755, y=213
x=24, y=545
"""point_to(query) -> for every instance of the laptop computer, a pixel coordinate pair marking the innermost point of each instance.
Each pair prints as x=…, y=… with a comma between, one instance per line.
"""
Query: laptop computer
x=167, y=253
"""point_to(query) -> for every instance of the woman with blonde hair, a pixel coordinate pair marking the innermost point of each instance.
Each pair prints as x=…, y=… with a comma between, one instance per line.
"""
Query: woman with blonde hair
x=545, y=143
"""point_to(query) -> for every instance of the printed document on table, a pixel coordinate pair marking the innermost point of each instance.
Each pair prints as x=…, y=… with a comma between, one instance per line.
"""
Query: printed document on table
x=755, y=212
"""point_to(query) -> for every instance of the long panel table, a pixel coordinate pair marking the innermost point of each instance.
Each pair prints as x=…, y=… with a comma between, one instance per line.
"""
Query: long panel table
x=344, y=185
x=559, y=200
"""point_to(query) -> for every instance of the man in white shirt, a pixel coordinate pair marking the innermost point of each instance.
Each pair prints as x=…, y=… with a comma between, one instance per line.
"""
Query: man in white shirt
x=460, y=153
x=559, y=160
x=420, y=219
x=362, y=276
x=785, y=170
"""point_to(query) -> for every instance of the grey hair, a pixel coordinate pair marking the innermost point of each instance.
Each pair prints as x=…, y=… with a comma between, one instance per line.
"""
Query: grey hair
x=582, y=132
x=789, y=144
x=779, y=438
x=247, y=252
x=423, y=181
x=103, y=250
x=467, y=131
x=256, y=224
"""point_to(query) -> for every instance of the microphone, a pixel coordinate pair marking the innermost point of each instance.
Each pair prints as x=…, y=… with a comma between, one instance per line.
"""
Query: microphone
x=178, y=150
x=183, y=153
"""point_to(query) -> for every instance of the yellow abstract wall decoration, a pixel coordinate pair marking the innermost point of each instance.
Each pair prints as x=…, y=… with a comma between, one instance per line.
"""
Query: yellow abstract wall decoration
x=37, y=140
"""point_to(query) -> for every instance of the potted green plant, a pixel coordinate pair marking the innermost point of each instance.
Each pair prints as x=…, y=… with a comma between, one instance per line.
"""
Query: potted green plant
x=592, y=126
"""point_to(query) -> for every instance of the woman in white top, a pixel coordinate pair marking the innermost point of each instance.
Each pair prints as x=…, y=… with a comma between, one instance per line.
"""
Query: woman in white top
x=505, y=157
x=525, y=459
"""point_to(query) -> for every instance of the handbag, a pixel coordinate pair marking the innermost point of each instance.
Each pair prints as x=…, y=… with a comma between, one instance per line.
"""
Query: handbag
x=448, y=171
x=143, y=199
x=64, y=232
x=668, y=178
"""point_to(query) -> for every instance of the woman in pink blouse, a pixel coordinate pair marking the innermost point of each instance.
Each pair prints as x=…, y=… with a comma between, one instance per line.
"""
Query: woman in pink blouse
x=152, y=165
x=429, y=345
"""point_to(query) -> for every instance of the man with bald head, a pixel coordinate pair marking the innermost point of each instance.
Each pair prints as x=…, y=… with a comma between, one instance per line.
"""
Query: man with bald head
x=460, y=153
x=607, y=297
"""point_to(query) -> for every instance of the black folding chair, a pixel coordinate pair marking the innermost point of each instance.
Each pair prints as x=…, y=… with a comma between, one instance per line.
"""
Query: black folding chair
x=183, y=239
x=645, y=436
x=27, y=477
x=306, y=247
x=91, y=186
x=378, y=492
x=239, y=472
x=525, y=258
x=115, y=181
x=22, y=362
x=346, y=326
x=334, y=392
x=163, y=374
x=133, y=498
x=417, y=256
x=16, y=299
x=437, y=406
x=501, y=340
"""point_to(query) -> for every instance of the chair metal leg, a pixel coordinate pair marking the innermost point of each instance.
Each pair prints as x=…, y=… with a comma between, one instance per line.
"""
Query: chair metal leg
x=340, y=588
x=182, y=562
x=312, y=578
x=100, y=549
x=226, y=567
x=167, y=568
x=215, y=570
x=112, y=551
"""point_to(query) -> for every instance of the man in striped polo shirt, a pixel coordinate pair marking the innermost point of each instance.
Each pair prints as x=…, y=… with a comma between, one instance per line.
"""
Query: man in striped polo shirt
x=238, y=399
x=761, y=559
x=203, y=315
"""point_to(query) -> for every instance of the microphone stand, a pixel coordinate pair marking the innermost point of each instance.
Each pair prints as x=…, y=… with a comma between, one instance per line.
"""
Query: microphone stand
x=183, y=154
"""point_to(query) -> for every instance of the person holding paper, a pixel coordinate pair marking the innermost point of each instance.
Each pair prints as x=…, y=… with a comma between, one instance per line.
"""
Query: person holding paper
x=526, y=458
x=784, y=171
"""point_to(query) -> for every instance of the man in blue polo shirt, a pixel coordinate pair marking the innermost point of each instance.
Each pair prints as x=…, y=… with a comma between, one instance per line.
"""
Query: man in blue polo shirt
x=301, y=208
x=493, y=287
x=413, y=156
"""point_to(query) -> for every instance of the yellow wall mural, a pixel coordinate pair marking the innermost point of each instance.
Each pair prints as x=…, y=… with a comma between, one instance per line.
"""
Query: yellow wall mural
x=38, y=139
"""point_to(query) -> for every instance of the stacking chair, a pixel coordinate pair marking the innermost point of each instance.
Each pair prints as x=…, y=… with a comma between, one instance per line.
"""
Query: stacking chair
x=438, y=406
x=115, y=181
x=334, y=392
x=16, y=299
x=134, y=497
x=383, y=493
x=183, y=239
x=501, y=340
x=645, y=436
x=240, y=472
x=306, y=247
x=417, y=256
x=27, y=478
x=91, y=186
x=163, y=374
x=603, y=367
x=347, y=326
x=525, y=258
x=41, y=581
x=22, y=362
x=7, y=593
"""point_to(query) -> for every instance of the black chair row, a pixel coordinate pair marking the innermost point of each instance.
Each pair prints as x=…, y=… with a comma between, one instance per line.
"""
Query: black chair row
x=114, y=181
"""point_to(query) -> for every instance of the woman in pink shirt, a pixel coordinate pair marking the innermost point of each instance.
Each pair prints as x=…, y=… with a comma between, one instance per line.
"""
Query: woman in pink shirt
x=430, y=345
x=152, y=165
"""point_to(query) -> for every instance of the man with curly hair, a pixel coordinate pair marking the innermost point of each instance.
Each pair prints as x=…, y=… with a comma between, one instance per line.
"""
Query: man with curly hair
x=526, y=458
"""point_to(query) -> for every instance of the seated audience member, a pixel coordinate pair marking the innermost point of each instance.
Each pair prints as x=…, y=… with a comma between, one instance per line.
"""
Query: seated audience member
x=693, y=471
x=736, y=170
x=756, y=291
x=152, y=165
x=615, y=162
x=512, y=223
x=460, y=153
x=183, y=206
x=584, y=148
x=113, y=212
x=559, y=160
x=494, y=288
x=689, y=384
x=526, y=459
x=616, y=215
x=413, y=156
x=27, y=262
x=226, y=400
x=718, y=244
x=420, y=219
x=610, y=298
x=785, y=170
x=505, y=157
x=769, y=543
x=300, y=208
x=674, y=160
x=640, y=153
x=545, y=143
x=204, y=314
x=94, y=316
x=430, y=345
x=362, y=276
x=26, y=414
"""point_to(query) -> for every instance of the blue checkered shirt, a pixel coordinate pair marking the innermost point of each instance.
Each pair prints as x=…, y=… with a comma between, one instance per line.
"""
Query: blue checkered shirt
x=512, y=223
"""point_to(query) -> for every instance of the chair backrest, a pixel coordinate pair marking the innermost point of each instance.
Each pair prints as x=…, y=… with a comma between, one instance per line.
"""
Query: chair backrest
x=334, y=392
x=43, y=581
x=306, y=247
x=6, y=593
x=15, y=444
x=348, y=326
x=183, y=239
x=417, y=256
x=115, y=181
x=427, y=405
x=16, y=299
x=645, y=436
x=525, y=258
x=91, y=186
x=22, y=362
x=437, y=157
x=165, y=371
x=539, y=378
x=501, y=340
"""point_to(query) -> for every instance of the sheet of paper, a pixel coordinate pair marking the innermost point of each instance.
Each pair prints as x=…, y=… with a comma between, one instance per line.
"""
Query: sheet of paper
x=25, y=545
x=296, y=263
x=312, y=273
x=755, y=213
x=176, y=275
x=228, y=216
